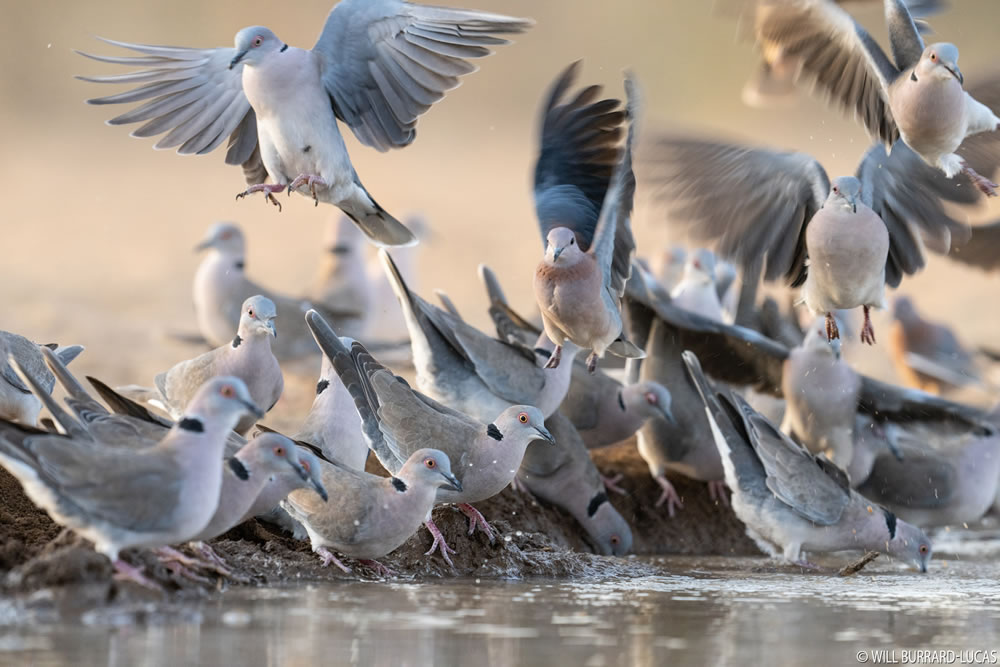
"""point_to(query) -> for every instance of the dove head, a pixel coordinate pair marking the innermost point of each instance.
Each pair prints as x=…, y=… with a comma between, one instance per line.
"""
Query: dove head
x=907, y=542
x=271, y=454
x=606, y=529
x=903, y=309
x=257, y=318
x=700, y=267
x=561, y=246
x=816, y=340
x=521, y=421
x=223, y=399
x=225, y=238
x=845, y=192
x=650, y=399
x=255, y=43
x=940, y=61
x=431, y=467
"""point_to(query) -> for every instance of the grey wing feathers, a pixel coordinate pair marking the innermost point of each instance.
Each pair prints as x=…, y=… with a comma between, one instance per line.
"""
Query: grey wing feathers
x=904, y=38
x=837, y=56
x=752, y=203
x=385, y=62
x=922, y=480
x=577, y=156
x=983, y=248
x=613, y=243
x=189, y=94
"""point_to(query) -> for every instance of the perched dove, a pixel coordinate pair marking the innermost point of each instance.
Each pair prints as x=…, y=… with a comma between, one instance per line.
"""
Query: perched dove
x=462, y=367
x=583, y=198
x=565, y=476
x=17, y=402
x=917, y=96
x=928, y=487
x=841, y=241
x=821, y=394
x=377, y=66
x=697, y=290
x=221, y=286
x=773, y=82
x=928, y=355
x=398, y=421
x=373, y=515
x=790, y=500
x=119, y=497
x=247, y=357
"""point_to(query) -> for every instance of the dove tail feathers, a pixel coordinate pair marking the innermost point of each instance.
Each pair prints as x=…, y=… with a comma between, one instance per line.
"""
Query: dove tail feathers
x=622, y=347
x=376, y=223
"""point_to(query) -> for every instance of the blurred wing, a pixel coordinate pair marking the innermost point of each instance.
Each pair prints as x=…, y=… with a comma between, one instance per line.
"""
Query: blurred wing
x=577, y=157
x=982, y=151
x=922, y=480
x=385, y=62
x=904, y=38
x=752, y=203
x=835, y=55
x=908, y=194
x=983, y=248
x=614, y=244
x=192, y=95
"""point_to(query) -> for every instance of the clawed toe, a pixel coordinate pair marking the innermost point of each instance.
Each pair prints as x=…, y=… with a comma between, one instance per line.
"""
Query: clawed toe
x=268, y=189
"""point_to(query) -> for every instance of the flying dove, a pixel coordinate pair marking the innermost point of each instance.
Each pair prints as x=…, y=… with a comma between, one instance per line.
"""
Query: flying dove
x=566, y=476
x=928, y=355
x=583, y=198
x=462, y=367
x=120, y=497
x=248, y=356
x=916, y=96
x=773, y=81
x=377, y=66
x=221, y=286
x=929, y=487
x=842, y=242
x=790, y=500
x=398, y=421
x=373, y=515
x=17, y=402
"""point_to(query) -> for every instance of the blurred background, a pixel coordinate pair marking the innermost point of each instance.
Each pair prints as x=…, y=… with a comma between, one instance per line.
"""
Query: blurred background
x=98, y=229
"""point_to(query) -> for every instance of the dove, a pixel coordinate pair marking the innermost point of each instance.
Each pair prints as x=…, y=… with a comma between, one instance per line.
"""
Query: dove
x=396, y=421
x=916, y=96
x=584, y=188
x=982, y=249
x=247, y=357
x=221, y=286
x=566, y=476
x=697, y=290
x=377, y=66
x=374, y=515
x=779, y=213
x=928, y=355
x=17, y=402
x=793, y=501
x=462, y=367
x=119, y=497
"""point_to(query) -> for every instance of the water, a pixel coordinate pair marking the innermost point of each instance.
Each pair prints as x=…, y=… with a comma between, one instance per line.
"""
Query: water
x=698, y=611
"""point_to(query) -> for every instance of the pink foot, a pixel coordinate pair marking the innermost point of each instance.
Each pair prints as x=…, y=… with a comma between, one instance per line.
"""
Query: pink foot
x=867, y=330
x=985, y=185
x=668, y=496
x=554, y=358
x=209, y=561
x=832, y=331
x=126, y=572
x=268, y=189
x=380, y=569
x=611, y=483
x=717, y=492
x=327, y=557
x=312, y=181
x=476, y=519
x=439, y=542
x=592, y=363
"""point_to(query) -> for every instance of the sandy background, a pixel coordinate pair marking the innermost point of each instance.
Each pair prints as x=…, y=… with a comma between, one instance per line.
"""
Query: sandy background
x=97, y=228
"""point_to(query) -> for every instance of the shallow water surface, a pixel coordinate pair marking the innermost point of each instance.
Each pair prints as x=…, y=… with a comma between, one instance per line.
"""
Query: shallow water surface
x=698, y=611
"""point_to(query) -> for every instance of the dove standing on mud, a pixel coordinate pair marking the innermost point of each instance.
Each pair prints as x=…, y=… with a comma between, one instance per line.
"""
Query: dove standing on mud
x=917, y=96
x=247, y=357
x=377, y=66
x=790, y=500
x=121, y=497
x=17, y=402
x=373, y=515
x=584, y=187
x=779, y=213
x=398, y=421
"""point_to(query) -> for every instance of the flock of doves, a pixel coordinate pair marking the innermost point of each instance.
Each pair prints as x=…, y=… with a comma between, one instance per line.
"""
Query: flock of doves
x=856, y=464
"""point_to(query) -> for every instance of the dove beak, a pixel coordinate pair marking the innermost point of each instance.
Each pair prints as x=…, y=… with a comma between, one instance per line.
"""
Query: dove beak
x=557, y=252
x=668, y=414
x=237, y=59
x=273, y=329
x=955, y=72
x=452, y=481
x=316, y=485
x=252, y=408
x=543, y=434
x=204, y=245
